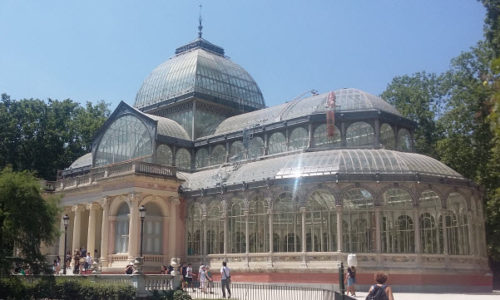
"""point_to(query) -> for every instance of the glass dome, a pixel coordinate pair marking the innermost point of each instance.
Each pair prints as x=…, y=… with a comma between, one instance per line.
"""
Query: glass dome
x=200, y=68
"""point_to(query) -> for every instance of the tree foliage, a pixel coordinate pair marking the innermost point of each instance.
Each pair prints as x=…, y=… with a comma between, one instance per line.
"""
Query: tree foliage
x=46, y=136
x=26, y=220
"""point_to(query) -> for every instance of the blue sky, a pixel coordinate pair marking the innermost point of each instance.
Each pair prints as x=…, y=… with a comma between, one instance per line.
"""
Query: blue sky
x=103, y=50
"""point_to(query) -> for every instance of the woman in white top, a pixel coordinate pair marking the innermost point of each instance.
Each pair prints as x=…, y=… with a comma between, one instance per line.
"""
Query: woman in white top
x=225, y=280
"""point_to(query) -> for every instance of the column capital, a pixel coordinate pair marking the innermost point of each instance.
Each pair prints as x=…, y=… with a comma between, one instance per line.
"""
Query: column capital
x=93, y=206
x=134, y=199
x=302, y=209
x=174, y=200
x=104, y=202
x=77, y=208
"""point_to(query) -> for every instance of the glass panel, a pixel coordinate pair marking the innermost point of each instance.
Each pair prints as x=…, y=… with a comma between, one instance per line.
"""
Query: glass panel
x=321, y=223
x=237, y=151
x=201, y=158
x=321, y=138
x=194, y=229
x=255, y=147
x=277, y=143
x=398, y=235
x=404, y=140
x=358, y=221
x=429, y=234
x=457, y=225
x=121, y=229
x=237, y=227
x=360, y=134
x=397, y=198
x=387, y=138
x=215, y=228
x=429, y=199
x=258, y=227
x=218, y=155
x=164, y=155
x=126, y=138
x=183, y=159
x=287, y=225
x=299, y=138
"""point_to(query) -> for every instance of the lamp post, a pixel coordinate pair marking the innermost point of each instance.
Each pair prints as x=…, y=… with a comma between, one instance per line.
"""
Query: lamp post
x=66, y=222
x=142, y=213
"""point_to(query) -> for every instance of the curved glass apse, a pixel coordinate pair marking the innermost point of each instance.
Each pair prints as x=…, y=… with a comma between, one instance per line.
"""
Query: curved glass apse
x=359, y=134
x=277, y=143
x=237, y=151
x=218, y=155
x=183, y=159
x=126, y=138
x=256, y=147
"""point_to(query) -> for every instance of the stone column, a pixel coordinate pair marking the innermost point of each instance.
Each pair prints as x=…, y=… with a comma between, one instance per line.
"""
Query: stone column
x=105, y=232
x=339, y=228
x=111, y=235
x=270, y=217
x=224, y=215
x=472, y=238
x=174, y=202
x=445, y=235
x=61, y=238
x=247, y=233
x=133, y=229
x=204, y=237
x=378, y=232
x=92, y=207
x=303, y=214
x=77, y=224
x=418, y=245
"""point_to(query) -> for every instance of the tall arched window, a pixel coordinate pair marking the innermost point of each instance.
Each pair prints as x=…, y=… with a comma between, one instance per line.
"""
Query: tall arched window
x=194, y=229
x=126, y=138
x=255, y=147
x=201, y=158
x=359, y=219
x=457, y=225
x=321, y=223
x=404, y=140
x=153, y=224
x=321, y=138
x=183, y=159
x=237, y=227
x=287, y=224
x=237, y=151
x=299, y=138
x=387, y=138
x=398, y=234
x=164, y=155
x=122, y=228
x=277, y=143
x=218, y=155
x=258, y=226
x=359, y=134
x=431, y=237
x=215, y=228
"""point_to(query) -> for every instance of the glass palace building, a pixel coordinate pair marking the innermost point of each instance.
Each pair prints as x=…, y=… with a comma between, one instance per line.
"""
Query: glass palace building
x=282, y=193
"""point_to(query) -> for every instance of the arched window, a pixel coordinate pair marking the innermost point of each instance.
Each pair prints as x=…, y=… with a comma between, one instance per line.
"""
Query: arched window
x=321, y=138
x=237, y=151
x=183, y=159
x=321, y=223
x=194, y=229
x=126, y=138
x=431, y=237
x=215, y=228
x=359, y=134
x=164, y=155
x=397, y=232
x=255, y=147
x=287, y=224
x=404, y=140
x=387, y=138
x=121, y=229
x=153, y=223
x=258, y=226
x=277, y=143
x=457, y=225
x=358, y=221
x=201, y=158
x=237, y=227
x=218, y=155
x=299, y=138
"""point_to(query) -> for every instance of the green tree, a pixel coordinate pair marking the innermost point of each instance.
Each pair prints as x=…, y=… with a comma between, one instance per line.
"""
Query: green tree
x=418, y=97
x=46, y=136
x=26, y=220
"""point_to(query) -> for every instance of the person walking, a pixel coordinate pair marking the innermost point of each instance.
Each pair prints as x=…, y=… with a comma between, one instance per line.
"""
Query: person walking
x=351, y=280
x=380, y=291
x=189, y=277
x=225, y=280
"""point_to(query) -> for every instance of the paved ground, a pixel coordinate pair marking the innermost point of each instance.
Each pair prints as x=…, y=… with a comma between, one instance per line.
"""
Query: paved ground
x=418, y=296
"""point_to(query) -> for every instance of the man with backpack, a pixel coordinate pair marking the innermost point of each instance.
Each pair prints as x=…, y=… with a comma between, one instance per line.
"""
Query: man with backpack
x=380, y=291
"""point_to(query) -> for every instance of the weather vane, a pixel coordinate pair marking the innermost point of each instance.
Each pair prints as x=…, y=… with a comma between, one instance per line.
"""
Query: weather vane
x=200, y=27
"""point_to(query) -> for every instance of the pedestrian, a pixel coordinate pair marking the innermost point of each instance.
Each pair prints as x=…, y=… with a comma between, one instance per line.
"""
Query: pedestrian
x=88, y=262
x=380, y=291
x=351, y=280
x=76, y=259
x=189, y=277
x=210, y=280
x=203, y=279
x=225, y=273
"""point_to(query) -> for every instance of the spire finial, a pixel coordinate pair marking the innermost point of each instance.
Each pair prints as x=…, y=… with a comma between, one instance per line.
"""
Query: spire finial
x=200, y=27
